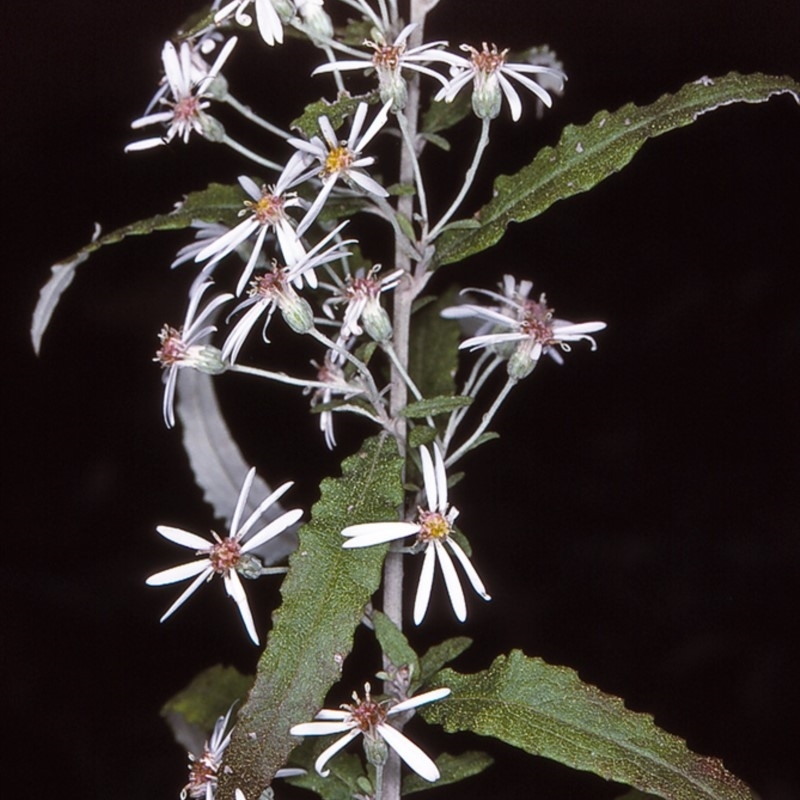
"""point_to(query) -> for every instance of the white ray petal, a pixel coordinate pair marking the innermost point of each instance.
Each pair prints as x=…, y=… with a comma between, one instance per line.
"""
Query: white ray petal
x=409, y=752
x=429, y=479
x=179, y=573
x=234, y=588
x=423, y=595
x=187, y=592
x=371, y=533
x=276, y=527
x=331, y=751
x=454, y=590
x=184, y=538
x=419, y=700
x=463, y=559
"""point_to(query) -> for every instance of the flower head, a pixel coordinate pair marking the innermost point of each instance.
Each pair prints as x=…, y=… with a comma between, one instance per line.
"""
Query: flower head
x=371, y=719
x=489, y=71
x=190, y=91
x=273, y=289
x=390, y=59
x=342, y=158
x=203, y=768
x=531, y=324
x=266, y=210
x=180, y=346
x=229, y=557
x=362, y=297
x=433, y=530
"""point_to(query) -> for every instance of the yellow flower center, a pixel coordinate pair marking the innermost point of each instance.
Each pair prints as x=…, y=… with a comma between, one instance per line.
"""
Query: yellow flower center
x=267, y=209
x=338, y=160
x=433, y=526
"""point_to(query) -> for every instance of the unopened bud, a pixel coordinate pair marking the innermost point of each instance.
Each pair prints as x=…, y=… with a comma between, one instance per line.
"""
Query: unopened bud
x=206, y=358
x=296, y=312
x=376, y=321
x=487, y=96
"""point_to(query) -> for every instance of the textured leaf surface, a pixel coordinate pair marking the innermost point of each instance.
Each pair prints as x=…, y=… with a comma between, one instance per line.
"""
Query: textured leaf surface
x=452, y=769
x=192, y=712
x=336, y=112
x=431, y=406
x=587, y=154
x=347, y=770
x=548, y=711
x=324, y=595
x=394, y=643
x=217, y=463
x=433, y=356
x=437, y=656
x=217, y=203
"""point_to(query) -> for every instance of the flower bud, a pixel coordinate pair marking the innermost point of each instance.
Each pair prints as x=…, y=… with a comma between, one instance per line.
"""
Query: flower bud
x=207, y=359
x=296, y=312
x=376, y=321
x=487, y=96
x=520, y=365
x=376, y=750
x=213, y=130
x=249, y=566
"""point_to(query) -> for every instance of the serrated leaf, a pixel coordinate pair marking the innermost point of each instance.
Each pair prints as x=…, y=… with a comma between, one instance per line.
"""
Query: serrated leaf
x=394, y=643
x=587, y=154
x=337, y=111
x=431, y=406
x=192, y=712
x=433, y=351
x=217, y=463
x=324, y=596
x=217, y=203
x=437, y=656
x=547, y=710
x=452, y=769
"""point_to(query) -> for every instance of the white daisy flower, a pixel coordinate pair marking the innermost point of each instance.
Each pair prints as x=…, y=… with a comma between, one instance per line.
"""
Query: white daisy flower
x=229, y=557
x=342, y=159
x=267, y=209
x=362, y=296
x=389, y=61
x=432, y=529
x=180, y=347
x=370, y=718
x=530, y=324
x=489, y=72
x=270, y=24
x=190, y=93
x=203, y=768
x=273, y=289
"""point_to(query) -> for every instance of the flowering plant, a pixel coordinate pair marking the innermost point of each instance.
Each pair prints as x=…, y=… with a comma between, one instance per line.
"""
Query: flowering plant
x=394, y=354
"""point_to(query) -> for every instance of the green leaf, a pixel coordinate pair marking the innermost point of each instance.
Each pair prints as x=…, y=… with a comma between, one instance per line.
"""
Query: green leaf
x=433, y=352
x=217, y=203
x=442, y=115
x=346, y=770
x=437, y=656
x=336, y=112
x=587, y=154
x=393, y=643
x=192, y=712
x=452, y=769
x=420, y=435
x=547, y=710
x=324, y=596
x=209, y=696
x=432, y=406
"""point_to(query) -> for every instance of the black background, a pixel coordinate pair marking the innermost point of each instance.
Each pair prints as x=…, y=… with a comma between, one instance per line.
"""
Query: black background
x=637, y=520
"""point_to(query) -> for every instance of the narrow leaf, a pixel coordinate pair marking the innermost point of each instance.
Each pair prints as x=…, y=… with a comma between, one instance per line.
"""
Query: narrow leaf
x=217, y=203
x=217, y=463
x=547, y=710
x=432, y=406
x=394, y=643
x=587, y=154
x=336, y=112
x=452, y=769
x=438, y=656
x=324, y=596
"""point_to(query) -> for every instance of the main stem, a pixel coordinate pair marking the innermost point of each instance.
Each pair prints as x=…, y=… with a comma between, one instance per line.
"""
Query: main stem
x=403, y=298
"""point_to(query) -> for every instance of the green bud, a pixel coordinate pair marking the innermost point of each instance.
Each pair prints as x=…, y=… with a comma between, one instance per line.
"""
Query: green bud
x=206, y=358
x=520, y=365
x=297, y=313
x=376, y=322
x=376, y=750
